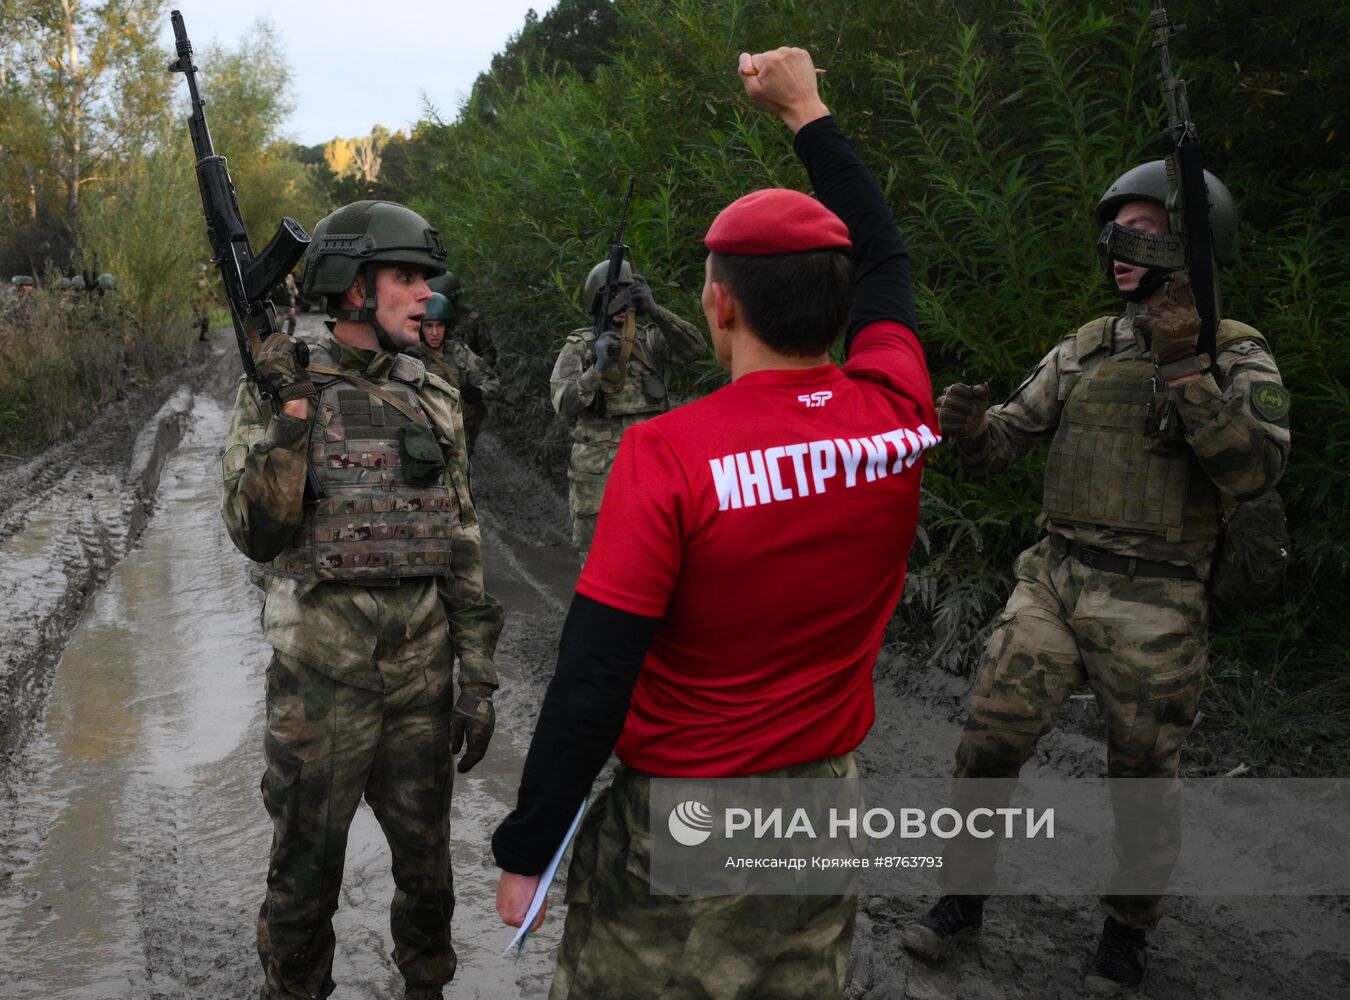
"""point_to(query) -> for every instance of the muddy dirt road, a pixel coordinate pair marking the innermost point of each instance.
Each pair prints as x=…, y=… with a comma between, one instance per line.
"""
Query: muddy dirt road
x=133, y=840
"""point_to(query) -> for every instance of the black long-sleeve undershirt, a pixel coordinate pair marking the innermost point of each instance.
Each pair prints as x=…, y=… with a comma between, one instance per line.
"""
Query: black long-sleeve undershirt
x=602, y=648
x=599, y=656
x=883, y=288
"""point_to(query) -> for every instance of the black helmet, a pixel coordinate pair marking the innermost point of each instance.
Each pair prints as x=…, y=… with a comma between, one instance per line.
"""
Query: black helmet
x=446, y=284
x=1148, y=182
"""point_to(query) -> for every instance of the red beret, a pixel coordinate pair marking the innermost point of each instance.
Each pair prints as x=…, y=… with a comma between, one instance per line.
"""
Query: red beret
x=776, y=220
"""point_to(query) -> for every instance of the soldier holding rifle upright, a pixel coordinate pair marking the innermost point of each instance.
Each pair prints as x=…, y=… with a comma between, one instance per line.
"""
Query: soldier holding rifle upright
x=1155, y=435
x=613, y=377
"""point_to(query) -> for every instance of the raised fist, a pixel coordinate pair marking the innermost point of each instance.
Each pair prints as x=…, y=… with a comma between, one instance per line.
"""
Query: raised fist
x=961, y=410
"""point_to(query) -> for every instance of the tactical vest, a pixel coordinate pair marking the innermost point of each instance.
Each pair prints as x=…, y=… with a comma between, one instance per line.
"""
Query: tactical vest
x=1108, y=466
x=371, y=525
x=643, y=390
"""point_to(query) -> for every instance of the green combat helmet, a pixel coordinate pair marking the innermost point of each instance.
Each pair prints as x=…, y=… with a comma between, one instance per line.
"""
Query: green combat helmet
x=77, y=283
x=439, y=307
x=107, y=283
x=1148, y=182
x=64, y=285
x=446, y=284
x=356, y=239
x=19, y=280
x=595, y=281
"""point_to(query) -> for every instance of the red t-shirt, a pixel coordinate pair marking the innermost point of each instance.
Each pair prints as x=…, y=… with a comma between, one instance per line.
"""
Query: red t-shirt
x=768, y=525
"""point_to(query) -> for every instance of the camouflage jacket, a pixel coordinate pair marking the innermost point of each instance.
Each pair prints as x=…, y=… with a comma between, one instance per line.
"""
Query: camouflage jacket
x=461, y=367
x=473, y=330
x=349, y=631
x=1236, y=428
x=575, y=382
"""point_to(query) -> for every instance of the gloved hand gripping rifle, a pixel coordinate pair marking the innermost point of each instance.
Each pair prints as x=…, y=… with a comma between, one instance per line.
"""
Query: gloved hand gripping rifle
x=248, y=279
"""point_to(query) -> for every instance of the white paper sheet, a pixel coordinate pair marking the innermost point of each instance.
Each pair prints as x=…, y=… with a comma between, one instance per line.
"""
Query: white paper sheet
x=545, y=881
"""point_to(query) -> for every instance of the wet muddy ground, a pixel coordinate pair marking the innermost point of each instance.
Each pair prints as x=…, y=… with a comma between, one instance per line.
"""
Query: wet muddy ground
x=132, y=836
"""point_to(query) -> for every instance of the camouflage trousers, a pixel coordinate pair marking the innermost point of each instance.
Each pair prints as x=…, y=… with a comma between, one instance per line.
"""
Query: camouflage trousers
x=1138, y=644
x=621, y=942
x=327, y=745
x=587, y=473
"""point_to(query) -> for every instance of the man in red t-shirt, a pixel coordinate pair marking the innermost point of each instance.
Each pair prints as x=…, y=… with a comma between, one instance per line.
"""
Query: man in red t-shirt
x=750, y=549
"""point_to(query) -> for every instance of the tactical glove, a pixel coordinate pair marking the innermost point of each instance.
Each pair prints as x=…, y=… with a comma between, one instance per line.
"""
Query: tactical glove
x=281, y=365
x=1173, y=327
x=473, y=719
x=640, y=294
x=607, y=350
x=961, y=410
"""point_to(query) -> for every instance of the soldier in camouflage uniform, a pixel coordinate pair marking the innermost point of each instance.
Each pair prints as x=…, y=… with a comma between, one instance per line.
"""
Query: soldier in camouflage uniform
x=609, y=384
x=201, y=302
x=1147, y=449
x=446, y=354
x=17, y=295
x=469, y=323
x=283, y=300
x=371, y=591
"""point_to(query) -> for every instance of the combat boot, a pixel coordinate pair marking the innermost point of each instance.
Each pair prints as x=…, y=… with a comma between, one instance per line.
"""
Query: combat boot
x=1121, y=959
x=423, y=993
x=951, y=920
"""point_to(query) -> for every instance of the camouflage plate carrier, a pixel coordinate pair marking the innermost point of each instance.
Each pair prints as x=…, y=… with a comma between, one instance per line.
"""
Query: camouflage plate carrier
x=371, y=525
x=1109, y=466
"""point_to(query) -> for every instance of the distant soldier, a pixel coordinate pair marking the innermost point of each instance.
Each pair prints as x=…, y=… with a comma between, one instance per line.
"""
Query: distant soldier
x=446, y=354
x=1149, y=445
x=283, y=300
x=469, y=324
x=17, y=295
x=106, y=283
x=201, y=302
x=609, y=384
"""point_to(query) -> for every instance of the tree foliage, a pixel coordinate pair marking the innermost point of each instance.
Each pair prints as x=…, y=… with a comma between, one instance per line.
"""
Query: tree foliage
x=113, y=188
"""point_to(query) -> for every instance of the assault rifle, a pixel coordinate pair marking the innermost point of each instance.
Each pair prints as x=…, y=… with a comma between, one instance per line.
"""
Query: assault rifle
x=1190, y=243
x=616, y=254
x=248, y=279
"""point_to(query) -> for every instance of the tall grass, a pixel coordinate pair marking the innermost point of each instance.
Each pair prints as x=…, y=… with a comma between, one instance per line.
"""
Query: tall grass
x=64, y=357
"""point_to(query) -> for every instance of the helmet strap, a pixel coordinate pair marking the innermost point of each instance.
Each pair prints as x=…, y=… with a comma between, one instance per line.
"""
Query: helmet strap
x=369, y=306
x=366, y=314
x=1154, y=278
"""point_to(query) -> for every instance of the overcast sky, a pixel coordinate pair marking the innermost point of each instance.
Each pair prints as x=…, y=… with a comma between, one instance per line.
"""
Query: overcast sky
x=358, y=63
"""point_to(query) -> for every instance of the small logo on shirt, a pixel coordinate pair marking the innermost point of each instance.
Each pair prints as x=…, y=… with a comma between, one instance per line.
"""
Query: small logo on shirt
x=691, y=823
x=815, y=400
